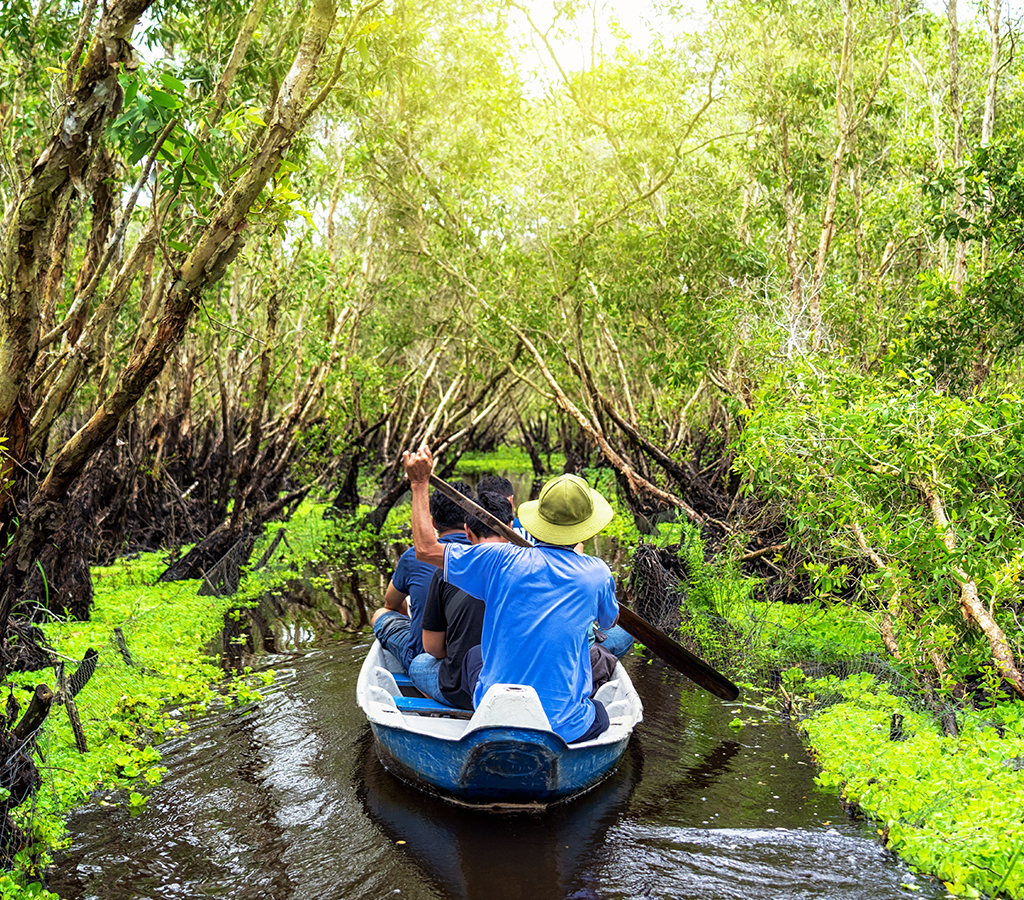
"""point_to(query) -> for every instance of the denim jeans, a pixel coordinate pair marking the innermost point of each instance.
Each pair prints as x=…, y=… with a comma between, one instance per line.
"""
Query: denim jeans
x=392, y=630
x=423, y=671
x=618, y=641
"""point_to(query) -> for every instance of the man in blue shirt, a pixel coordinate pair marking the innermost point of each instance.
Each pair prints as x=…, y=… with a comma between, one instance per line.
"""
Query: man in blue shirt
x=615, y=639
x=539, y=601
x=399, y=624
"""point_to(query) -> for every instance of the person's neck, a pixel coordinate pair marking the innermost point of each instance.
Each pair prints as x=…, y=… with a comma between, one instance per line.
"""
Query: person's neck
x=492, y=539
x=442, y=534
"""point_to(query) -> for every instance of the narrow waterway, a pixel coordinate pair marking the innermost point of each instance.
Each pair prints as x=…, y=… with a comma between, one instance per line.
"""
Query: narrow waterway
x=286, y=799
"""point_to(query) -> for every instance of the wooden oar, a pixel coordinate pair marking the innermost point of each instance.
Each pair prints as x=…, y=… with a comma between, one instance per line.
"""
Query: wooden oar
x=659, y=643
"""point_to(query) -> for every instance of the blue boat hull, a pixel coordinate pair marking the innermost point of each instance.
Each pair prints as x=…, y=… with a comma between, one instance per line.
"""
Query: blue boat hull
x=497, y=765
x=503, y=753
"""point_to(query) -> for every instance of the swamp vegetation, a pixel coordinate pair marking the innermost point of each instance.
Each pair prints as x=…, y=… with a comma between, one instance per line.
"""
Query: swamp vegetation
x=753, y=270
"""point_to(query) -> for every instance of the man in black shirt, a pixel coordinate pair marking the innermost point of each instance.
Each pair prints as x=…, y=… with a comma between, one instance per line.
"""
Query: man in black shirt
x=452, y=623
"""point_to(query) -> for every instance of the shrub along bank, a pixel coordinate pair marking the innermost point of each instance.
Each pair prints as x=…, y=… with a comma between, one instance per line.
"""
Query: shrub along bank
x=951, y=806
x=126, y=708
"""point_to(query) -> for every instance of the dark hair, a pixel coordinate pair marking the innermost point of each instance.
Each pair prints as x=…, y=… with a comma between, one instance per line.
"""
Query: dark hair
x=495, y=484
x=446, y=513
x=498, y=506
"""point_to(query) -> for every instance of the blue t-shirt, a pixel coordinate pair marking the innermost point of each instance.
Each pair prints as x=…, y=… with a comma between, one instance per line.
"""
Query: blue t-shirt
x=413, y=577
x=539, y=605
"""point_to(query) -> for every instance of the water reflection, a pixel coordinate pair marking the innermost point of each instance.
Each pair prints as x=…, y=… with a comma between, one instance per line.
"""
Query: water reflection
x=286, y=799
x=473, y=853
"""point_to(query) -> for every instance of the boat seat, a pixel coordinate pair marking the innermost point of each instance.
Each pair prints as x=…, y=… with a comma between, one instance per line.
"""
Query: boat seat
x=393, y=682
x=511, y=706
x=607, y=691
x=426, y=706
x=617, y=709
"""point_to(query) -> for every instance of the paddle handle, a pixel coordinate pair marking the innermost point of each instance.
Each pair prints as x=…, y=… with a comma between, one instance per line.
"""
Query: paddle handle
x=659, y=643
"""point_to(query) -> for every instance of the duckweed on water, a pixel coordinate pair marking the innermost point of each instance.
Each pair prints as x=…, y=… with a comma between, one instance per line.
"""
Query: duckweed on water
x=950, y=806
x=125, y=710
x=513, y=460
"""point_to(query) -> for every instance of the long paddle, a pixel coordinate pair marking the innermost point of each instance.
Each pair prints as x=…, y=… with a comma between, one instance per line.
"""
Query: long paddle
x=659, y=643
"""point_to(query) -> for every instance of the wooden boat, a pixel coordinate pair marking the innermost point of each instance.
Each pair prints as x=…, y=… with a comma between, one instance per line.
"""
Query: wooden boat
x=504, y=753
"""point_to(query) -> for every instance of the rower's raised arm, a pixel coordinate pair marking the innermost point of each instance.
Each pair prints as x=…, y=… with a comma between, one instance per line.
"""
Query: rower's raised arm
x=418, y=467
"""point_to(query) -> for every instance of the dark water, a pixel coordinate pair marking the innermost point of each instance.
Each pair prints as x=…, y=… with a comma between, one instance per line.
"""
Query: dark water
x=286, y=799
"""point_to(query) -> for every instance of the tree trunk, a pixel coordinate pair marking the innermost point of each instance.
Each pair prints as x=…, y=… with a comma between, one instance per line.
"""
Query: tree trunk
x=974, y=609
x=956, y=111
x=988, y=122
x=796, y=284
x=65, y=162
x=214, y=248
x=848, y=121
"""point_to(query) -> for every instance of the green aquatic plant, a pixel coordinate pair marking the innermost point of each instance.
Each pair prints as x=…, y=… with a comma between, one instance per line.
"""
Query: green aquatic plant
x=154, y=673
x=513, y=460
x=950, y=806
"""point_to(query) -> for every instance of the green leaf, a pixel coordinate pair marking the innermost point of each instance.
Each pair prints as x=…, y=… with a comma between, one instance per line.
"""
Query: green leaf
x=172, y=83
x=207, y=160
x=168, y=101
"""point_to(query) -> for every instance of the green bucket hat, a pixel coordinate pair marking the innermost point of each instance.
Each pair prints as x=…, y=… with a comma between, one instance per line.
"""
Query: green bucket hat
x=567, y=512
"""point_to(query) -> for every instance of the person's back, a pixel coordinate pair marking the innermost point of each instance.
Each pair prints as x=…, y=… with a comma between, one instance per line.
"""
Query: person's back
x=567, y=591
x=615, y=639
x=460, y=618
x=539, y=604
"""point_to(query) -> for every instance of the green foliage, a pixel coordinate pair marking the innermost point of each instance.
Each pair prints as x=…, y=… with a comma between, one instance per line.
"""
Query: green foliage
x=126, y=710
x=958, y=336
x=513, y=460
x=750, y=637
x=991, y=186
x=948, y=805
x=621, y=532
x=714, y=591
x=713, y=585
x=847, y=453
x=355, y=546
x=307, y=535
x=15, y=887
x=782, y=634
